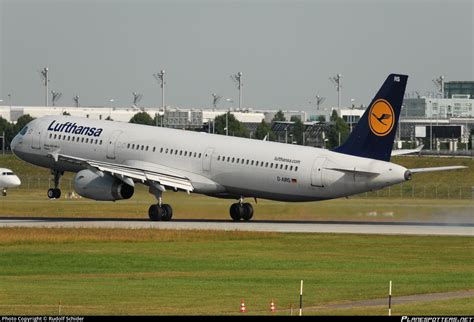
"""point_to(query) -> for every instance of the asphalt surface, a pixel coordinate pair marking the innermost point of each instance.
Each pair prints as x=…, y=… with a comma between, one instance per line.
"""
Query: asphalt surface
x=342, y=227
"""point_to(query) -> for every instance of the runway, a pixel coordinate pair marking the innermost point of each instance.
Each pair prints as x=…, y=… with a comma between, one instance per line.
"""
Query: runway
x=337, y=227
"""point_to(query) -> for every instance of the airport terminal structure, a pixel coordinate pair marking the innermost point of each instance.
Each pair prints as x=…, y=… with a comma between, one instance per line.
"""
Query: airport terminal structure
x=442, y=122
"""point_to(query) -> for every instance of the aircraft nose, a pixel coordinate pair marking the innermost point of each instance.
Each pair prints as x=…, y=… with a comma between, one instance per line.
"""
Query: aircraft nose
x=16, y=181
x=14, y=143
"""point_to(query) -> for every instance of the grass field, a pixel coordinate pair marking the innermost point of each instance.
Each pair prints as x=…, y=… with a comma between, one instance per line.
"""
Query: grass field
x=121, y=272
x=175, y=272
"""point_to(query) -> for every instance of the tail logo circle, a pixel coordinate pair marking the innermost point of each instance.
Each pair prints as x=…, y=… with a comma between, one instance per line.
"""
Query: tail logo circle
x=381, y=118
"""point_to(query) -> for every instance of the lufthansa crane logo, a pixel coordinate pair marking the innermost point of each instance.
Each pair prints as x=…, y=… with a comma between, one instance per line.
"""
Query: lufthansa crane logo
x=381, y=118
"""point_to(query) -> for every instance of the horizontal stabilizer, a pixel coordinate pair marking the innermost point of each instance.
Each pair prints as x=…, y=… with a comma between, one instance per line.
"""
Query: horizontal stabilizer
x=354, y=171
x=406, y=151
x=453, y=167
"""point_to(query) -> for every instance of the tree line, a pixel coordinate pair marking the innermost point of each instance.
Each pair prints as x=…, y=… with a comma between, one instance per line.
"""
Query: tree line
x=338, y=130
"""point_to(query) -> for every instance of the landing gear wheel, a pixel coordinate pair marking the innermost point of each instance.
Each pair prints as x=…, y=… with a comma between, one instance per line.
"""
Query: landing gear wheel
x=247, y=212
x=168, y=212
x=236, y=211
x=156, y=213
x=54, y=193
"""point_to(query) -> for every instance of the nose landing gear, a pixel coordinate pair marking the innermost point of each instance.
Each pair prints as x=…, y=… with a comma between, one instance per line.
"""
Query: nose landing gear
x=55, y=193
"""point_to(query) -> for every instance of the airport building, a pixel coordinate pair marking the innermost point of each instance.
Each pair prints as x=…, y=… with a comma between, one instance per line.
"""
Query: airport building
x=458, y=88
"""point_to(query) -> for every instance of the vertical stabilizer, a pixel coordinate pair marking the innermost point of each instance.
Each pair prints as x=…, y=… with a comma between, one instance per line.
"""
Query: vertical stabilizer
x=374, y=133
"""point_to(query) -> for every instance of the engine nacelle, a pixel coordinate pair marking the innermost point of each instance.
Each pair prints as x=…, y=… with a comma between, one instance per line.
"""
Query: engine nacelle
x=106, y=188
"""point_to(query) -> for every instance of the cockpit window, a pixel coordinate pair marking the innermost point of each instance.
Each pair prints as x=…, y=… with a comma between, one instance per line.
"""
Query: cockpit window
x=23, y=131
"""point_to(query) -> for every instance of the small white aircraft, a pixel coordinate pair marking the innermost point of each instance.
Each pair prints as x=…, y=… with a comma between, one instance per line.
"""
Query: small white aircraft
x=111, y=157
x=8, y=180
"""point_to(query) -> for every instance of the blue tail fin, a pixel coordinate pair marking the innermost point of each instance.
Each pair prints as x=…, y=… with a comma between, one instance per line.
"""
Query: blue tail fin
x=374, y=133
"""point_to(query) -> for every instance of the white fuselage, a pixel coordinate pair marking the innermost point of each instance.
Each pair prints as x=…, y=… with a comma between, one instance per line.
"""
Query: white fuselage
x=8, y=179
x=217, y=165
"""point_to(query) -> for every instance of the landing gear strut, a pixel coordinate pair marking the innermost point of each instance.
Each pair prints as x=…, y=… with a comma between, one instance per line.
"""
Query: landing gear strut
x=159, y=211
x=241, y=210
x=55, y=193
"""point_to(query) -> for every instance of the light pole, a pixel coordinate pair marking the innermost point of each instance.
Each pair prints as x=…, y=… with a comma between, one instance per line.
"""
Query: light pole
x=237, y=78
x=227, y=116
x=319, y=101
x=215, y=99
x=336, y=80
x=44, y=76
x=352, y=109
x=55, y=96
x=111, y=101
x=76, y=100
x=439, y=83
x=160, y=77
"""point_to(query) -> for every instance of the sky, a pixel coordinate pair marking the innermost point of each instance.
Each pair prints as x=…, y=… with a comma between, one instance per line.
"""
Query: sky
x=287, y=51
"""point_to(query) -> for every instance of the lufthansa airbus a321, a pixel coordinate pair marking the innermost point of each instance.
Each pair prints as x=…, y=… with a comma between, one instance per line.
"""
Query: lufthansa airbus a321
x=110, y=158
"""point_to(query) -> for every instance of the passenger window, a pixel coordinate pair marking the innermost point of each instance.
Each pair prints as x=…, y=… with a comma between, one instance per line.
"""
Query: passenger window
x=161, y=150
x=266, y=164
x=176, y=152
x=286, y=166
x=171, y=151
x=242, y=161
x=185, y=153
x=100, y=142
x=271, y=165
x=296, y=168
x=218, y=158
x=199, y=155
x=180, y=152
x=195, y=154
x=291, y=168
x=238, y=160
x=228, y=159
x=252, y=162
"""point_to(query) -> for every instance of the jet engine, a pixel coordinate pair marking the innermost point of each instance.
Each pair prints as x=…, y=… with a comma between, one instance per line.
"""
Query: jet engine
x=108, y=188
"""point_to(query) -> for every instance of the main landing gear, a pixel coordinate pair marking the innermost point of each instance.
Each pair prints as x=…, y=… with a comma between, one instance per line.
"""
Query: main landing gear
x=55, y=193
x=241, y=210
x=159, y=211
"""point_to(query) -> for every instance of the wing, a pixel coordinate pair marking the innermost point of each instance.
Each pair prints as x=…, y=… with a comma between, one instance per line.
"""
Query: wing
x=129, y=173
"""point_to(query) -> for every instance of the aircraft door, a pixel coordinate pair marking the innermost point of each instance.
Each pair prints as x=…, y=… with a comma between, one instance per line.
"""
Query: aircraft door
x=111, y=143
x=317, y=179
x=206, y=161
x=36, y=140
